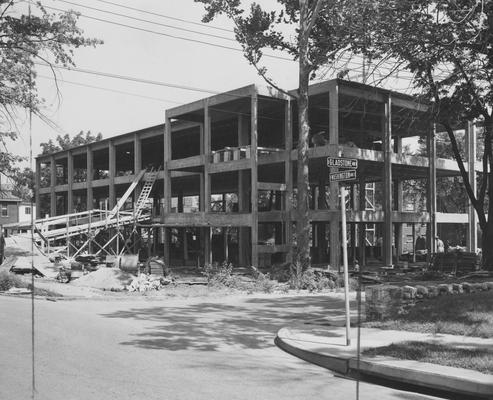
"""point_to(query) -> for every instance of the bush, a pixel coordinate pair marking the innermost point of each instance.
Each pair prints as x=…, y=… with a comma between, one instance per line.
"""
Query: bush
x=316, y=280
x=263, y=282
x=220, y=275
x=9, y=280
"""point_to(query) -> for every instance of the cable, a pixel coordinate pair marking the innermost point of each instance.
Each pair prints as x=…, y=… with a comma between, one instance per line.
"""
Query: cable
x=166, y=16
x=166, y=34
x=147, y=21
x=133, y=79
x=110, y=90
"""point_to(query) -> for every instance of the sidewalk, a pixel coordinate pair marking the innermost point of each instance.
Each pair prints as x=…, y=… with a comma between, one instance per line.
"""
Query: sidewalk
x=326, y=346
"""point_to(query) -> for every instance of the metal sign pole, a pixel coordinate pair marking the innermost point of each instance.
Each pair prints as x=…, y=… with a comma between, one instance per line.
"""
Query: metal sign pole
x=345, y=263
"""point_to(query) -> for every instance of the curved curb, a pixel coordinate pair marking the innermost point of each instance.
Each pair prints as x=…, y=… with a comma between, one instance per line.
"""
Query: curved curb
x=425, y=375
x=336, y=364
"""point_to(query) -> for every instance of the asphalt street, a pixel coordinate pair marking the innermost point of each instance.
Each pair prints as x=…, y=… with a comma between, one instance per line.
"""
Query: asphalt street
x=199, y=348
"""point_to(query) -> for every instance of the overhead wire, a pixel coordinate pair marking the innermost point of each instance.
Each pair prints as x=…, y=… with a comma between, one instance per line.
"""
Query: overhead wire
x=147, y=21
x=111, y=90
x=166, y=34
x=165, y=16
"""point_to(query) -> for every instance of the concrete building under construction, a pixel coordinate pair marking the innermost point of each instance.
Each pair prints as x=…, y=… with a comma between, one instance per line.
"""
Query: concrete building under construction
x=217, y=181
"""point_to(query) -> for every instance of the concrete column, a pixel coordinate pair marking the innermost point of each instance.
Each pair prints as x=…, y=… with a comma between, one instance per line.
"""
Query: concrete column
x=472, y=229
x=167, y=174
x=334, y=217
x=53, y=183
x=288, y=178
x=244, y=251
x=70, y=183
x=254, y=178
x=37, y=187
x=112, y=173
x=399, y=240
x=362, y=226
x=89, y=177
x=137, y=163
x=387, y=183
x=432, y=192
x=207, y=153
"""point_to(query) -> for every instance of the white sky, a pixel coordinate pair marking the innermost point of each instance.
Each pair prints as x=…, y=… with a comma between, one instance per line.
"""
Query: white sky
x=144, y=55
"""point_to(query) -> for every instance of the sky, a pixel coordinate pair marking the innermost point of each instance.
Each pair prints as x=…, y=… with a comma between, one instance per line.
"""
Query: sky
x=114, y=106
x=87, y=102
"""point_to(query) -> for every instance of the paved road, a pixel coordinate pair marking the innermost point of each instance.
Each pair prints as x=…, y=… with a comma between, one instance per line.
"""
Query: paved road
x=207, y=348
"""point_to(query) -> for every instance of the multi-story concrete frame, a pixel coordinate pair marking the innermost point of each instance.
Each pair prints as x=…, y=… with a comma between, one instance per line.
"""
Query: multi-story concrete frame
x=234, y=155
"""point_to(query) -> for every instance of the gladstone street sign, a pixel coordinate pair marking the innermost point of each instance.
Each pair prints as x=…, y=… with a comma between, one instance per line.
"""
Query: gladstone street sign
x=338, y=162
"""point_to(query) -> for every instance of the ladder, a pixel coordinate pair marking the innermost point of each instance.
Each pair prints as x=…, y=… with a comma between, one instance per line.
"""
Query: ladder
x=141, y=203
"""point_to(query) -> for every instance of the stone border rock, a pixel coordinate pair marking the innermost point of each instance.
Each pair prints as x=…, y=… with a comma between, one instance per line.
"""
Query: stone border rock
x=385, y=300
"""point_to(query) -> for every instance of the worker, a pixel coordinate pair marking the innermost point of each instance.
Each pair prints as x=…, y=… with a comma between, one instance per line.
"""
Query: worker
x=440, y=245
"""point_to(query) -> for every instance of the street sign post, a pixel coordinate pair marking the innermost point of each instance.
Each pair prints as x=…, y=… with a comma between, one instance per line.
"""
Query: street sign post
x=349, y=174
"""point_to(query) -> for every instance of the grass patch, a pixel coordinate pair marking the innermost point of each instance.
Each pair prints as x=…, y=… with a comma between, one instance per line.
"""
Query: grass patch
x=468, y=315
x=9, y=280
x=475, y=359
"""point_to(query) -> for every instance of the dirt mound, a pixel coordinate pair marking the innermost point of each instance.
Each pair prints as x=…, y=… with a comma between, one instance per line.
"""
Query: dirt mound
x=105, y=278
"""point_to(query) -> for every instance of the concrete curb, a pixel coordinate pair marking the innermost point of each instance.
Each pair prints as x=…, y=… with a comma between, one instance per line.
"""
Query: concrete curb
x=425, y=375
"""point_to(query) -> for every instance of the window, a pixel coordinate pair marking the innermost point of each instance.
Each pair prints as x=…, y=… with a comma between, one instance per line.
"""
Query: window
x=27, y=210
x=5, y=211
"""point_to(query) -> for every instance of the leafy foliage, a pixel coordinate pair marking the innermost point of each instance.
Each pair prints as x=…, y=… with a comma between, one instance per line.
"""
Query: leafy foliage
x=27, y=37
x=447, y=47
x=66, y=142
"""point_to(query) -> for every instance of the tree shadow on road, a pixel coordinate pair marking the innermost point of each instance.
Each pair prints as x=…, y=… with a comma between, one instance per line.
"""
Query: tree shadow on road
x=210, y=326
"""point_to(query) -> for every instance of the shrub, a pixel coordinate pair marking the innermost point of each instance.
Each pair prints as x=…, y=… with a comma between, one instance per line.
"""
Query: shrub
x=9, y=280
x=220, y=274
x=310, y=280
x=263, y=283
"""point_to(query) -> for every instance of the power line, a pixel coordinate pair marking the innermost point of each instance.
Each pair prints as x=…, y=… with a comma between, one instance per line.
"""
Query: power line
x=134, y=79
x=110, y=90
x=167, y=34
x=147, y=21
x=167, y=16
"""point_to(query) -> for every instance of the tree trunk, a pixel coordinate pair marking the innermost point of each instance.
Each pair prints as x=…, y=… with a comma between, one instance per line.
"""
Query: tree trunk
x=303, y=184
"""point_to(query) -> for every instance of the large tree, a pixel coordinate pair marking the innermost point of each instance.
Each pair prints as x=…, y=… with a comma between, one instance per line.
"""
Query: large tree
x=30, y=35
x=447, y=45
x=321, y=32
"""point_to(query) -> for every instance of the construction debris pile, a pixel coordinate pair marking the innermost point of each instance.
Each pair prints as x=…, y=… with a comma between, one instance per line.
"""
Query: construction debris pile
x=145, y=283
x=105, y=279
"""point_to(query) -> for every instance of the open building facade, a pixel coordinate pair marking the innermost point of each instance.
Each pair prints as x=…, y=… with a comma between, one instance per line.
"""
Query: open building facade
x=225, y=186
